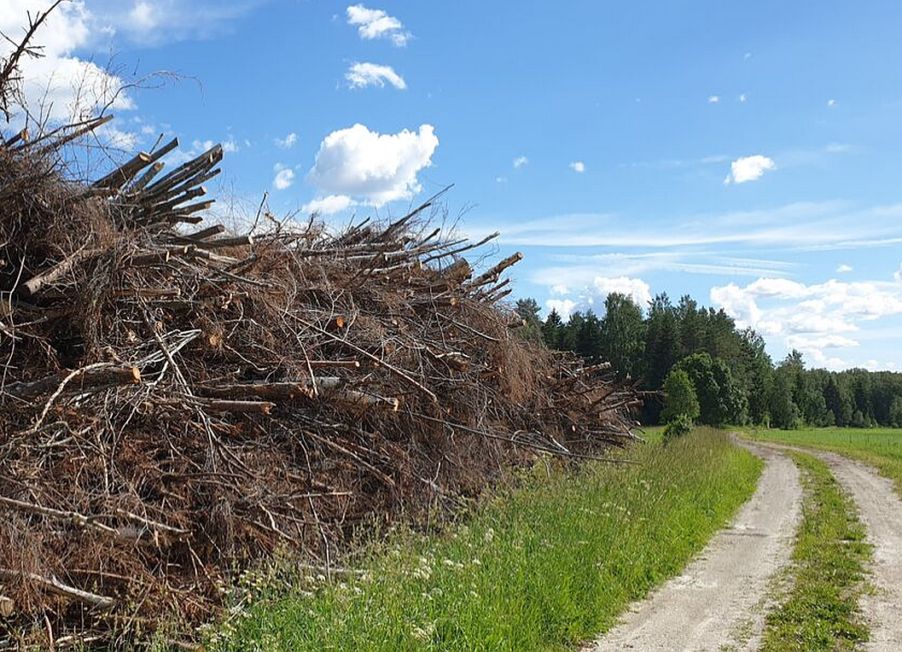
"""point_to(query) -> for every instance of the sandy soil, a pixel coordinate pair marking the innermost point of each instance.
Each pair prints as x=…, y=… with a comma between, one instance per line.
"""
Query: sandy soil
x=720, y=600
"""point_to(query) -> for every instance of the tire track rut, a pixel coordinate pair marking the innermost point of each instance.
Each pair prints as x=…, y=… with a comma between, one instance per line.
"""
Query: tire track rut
x=717, y=602
x=880, y=509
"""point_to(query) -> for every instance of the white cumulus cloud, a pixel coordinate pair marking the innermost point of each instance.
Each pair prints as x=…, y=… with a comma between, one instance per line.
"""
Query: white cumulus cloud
x=111, y=136
x=361, y=75
x=808, y=342
x=284, y=177
x=593, y=295
x=371, y=167
x=635, y=288
x=749, y=168
x=844, y=269
x=713, y=99
x=377, y=24
x=520, y=161
x=811, y=318
x=60, y=83
x=563, y=307
x=328, y=205
x=578, y=166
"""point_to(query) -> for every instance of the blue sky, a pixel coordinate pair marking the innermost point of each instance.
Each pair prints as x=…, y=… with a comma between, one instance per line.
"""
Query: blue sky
x=749, y=154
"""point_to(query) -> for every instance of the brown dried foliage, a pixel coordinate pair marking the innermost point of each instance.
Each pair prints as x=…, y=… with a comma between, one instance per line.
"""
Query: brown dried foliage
x=174, y=407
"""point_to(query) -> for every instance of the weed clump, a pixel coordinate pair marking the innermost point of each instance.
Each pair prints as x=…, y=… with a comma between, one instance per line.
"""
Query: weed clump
x=680, y=426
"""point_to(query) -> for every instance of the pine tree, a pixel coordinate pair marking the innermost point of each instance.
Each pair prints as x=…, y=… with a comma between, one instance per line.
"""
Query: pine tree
x=553, y=330
x=528, y=310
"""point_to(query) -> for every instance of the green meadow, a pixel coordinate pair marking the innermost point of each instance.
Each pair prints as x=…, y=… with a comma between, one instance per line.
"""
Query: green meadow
x=879, y=447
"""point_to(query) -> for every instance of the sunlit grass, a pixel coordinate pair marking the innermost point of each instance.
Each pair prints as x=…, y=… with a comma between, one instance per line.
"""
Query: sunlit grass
x=550, y=564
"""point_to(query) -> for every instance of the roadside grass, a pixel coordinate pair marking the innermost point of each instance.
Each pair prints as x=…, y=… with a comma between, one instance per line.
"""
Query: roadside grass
x=828, y=571
x=653, y=434
x=547, y=566
x=879, y=447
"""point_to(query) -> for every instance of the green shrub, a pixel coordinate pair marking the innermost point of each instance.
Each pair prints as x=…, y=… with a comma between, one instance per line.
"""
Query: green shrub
x=681, y=425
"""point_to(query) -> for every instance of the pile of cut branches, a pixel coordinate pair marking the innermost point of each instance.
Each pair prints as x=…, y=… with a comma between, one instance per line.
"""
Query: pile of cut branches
x=177, y=401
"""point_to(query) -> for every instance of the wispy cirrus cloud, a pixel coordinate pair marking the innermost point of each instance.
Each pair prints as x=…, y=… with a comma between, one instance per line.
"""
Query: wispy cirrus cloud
x=566, y=270
x=800, y=225
x=289, y=141
x=156, y=22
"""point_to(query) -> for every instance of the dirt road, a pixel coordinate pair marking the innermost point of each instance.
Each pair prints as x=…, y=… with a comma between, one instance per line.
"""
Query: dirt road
x=880, y=509
x=719, y=602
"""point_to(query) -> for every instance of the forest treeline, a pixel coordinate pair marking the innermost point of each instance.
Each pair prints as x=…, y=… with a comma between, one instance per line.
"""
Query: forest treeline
x=733, y=379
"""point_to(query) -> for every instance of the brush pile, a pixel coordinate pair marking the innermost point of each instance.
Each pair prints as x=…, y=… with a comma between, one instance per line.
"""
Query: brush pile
x=177, y=401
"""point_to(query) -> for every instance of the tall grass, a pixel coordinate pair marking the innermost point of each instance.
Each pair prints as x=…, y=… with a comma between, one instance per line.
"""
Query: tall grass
x=551, y=563
x=880, y=447
x=820, y=612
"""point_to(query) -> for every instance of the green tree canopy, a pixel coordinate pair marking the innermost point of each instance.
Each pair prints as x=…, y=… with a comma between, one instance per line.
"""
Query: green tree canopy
x=718, y=396
x=680, y=398
x=622, y=335
x=735, y=379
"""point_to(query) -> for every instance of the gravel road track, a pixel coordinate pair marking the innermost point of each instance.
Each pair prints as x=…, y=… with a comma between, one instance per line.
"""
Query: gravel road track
x=720, y=600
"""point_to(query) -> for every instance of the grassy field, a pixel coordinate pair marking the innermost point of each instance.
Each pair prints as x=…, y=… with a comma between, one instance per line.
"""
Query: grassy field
x=820, y=611
x=880, y=447
x=653, y=434
x=549, y=565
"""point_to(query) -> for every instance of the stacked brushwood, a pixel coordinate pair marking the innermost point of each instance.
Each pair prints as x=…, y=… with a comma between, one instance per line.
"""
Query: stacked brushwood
x=178, y=401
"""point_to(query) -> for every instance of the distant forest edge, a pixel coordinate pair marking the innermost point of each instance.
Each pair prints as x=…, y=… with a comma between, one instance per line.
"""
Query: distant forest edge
x=734, y=379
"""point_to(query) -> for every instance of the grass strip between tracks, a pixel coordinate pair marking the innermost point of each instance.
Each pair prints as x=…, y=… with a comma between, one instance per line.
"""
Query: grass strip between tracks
x=827, y=576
